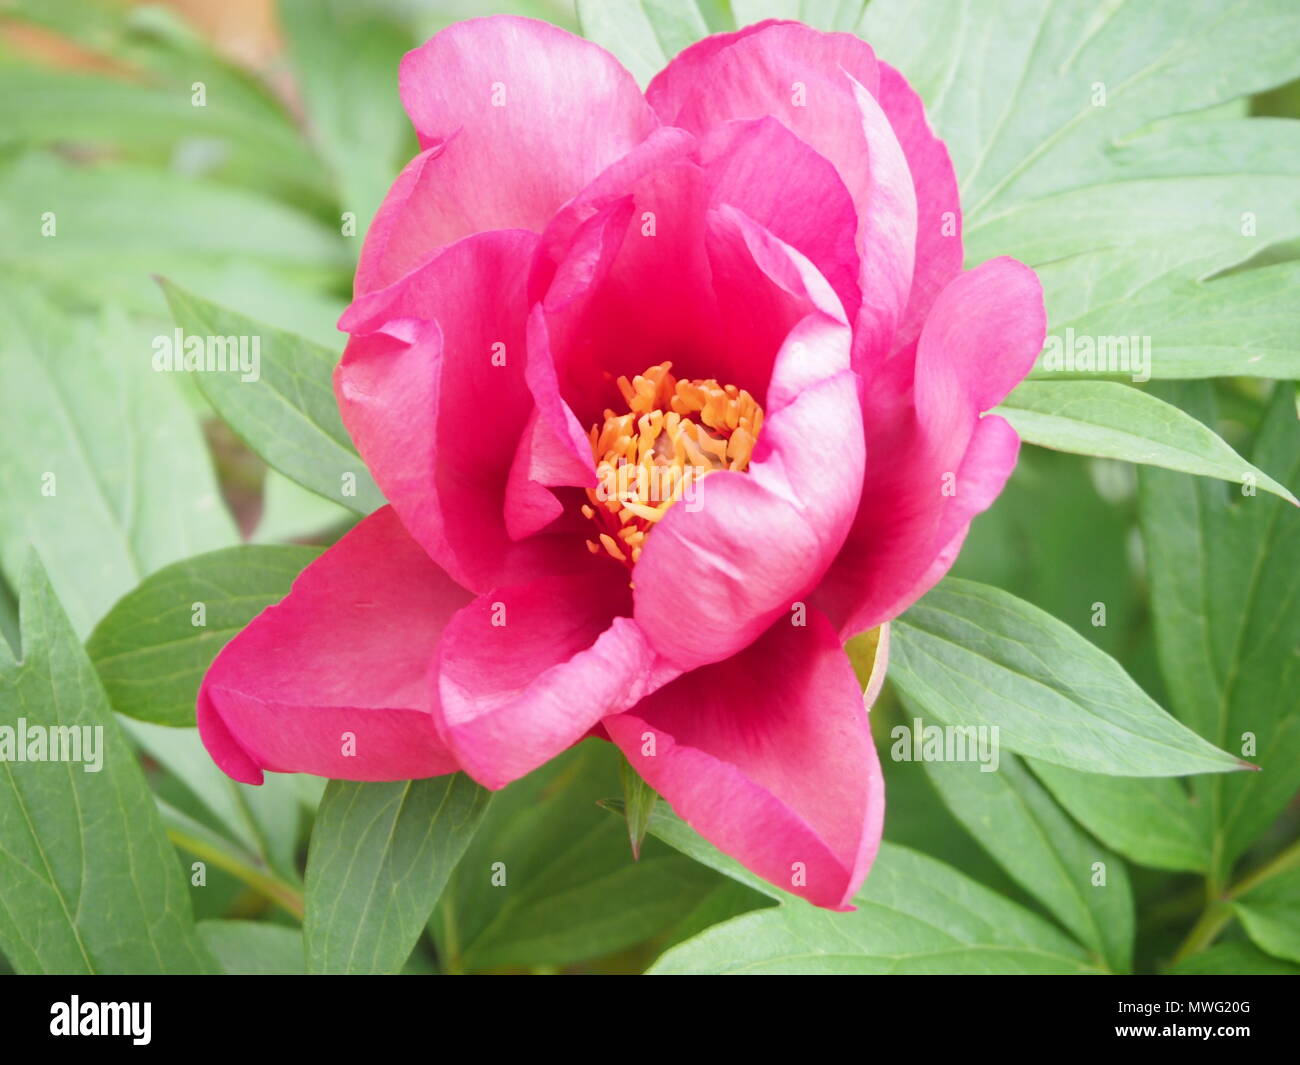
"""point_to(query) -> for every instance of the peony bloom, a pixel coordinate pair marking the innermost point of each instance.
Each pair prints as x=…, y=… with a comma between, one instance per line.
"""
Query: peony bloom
x=672, y=394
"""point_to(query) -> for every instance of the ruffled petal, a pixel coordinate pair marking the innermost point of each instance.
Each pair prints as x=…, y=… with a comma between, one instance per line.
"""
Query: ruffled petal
x=822, y=87
x=761, y=168
x=525, y=672
x=333, y=680
x=515, y=116
x=433, y=389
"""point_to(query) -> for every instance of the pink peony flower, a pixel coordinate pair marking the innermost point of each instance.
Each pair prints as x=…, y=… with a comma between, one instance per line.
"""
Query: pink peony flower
x=672, y=393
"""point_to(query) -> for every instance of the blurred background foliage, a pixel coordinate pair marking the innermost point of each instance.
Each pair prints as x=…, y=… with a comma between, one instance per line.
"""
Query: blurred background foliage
x=244, y=201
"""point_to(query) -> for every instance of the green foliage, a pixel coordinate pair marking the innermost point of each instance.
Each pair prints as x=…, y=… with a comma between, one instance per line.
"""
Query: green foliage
x=90, y=882
x=153, y=647
x=1115, y=148
x=380, y=856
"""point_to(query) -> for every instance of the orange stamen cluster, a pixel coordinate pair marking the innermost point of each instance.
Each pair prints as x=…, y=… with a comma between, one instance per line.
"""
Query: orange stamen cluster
x=674, y=433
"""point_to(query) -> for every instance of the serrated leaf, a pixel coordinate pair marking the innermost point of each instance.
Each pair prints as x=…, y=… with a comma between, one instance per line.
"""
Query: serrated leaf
x=89, y=881
x=148, y=651
x=380, y=855
x=288, y=415
x=1015, y=820
x=1225, y=586
x=1113, y=421
x=971, y=655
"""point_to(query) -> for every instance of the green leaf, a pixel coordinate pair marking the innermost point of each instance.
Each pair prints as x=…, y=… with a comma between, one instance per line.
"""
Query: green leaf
x=156, y=122
x=89, y=881
x=95, y=444
x=1233, y=959
x=1028, y=544
x=1059, y=120
x=254, y=948
x=972, y=655
x=380, y=855
x=643, y=34
x=289, y=415
x=115, y=226
x=1152, y=821
x=1270, y=913
x=824, y=14
x=149, y=652
x=346, y=57
x=262, y=819
x=1225, y=585
x=290, y=512
x=1117, y=422
x=638, y=804
x=1015, y=820
x=914, y=915
x=197, y=840
x=549, y=880
x=664, y=824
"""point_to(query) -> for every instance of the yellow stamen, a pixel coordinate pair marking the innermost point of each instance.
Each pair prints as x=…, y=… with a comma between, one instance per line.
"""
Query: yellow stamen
x=673, y=434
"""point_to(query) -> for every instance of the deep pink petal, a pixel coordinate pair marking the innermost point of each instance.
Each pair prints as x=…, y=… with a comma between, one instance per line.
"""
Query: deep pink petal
x=769, y=756
x=939, y=251
x=764, y=170
x=432, y=388
x=932, y=462
x=514, y=116
x=719, y=569
x=822, y=87
x=525, y=672
x=346, y=652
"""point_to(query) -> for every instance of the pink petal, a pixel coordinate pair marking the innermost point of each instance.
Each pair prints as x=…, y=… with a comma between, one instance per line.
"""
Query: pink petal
x=821, y=86
x=769, y=756
x=719, y=569
x=432, y=388
x=939, y=251
x=932, y=462
x=345, y=653
x=631, y=289
x=515, y=116
x=525, y=672
x=764, y=170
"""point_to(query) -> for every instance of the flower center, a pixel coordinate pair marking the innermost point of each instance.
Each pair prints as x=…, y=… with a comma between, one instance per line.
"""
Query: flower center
x=674, y=433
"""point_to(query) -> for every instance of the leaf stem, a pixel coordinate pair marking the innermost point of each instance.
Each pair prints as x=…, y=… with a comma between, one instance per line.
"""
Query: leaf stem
x=1219, y=912
x=284, y=895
